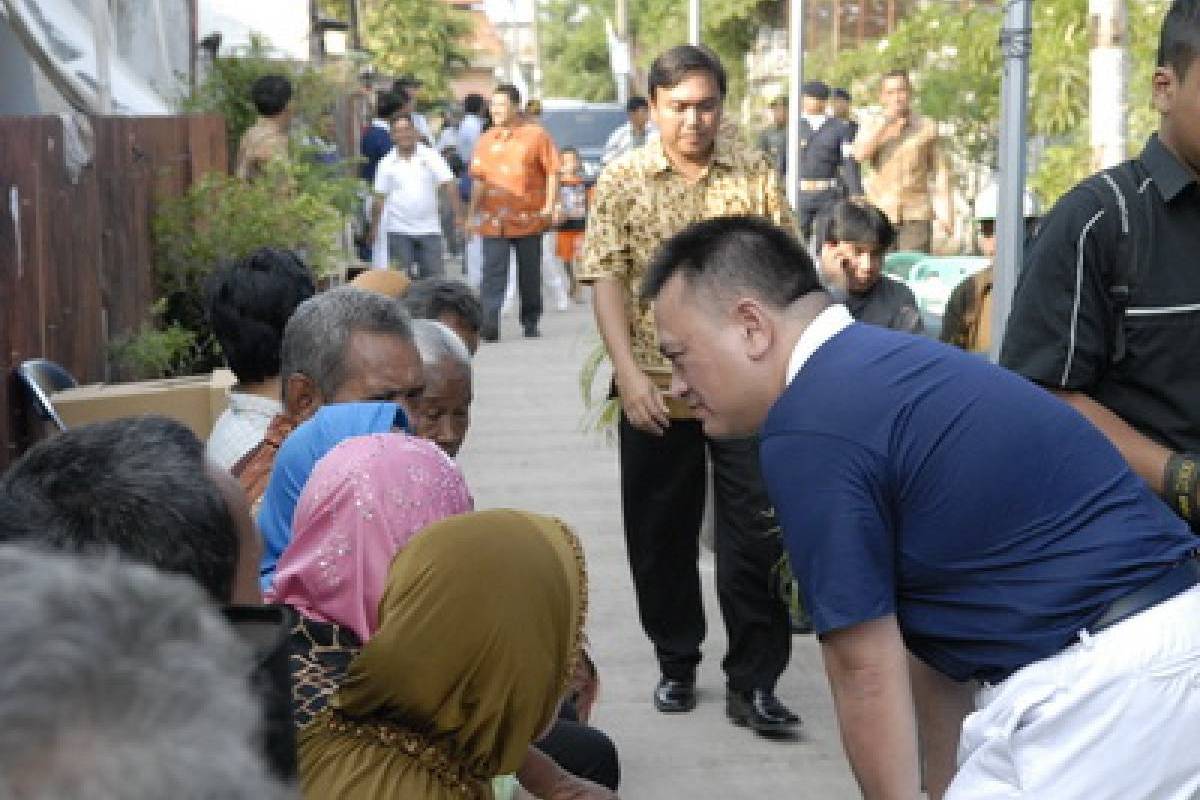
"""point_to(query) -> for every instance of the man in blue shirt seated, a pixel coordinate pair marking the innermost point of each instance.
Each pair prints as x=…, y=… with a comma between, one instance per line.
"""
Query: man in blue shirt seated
x=955, y=530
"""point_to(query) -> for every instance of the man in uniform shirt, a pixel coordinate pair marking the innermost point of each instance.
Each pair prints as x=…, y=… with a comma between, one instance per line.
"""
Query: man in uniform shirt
x=773, y=139
x=903, y=149
x=1129, y=360
x=839, y=107
x=691, y=171
x=825, y=144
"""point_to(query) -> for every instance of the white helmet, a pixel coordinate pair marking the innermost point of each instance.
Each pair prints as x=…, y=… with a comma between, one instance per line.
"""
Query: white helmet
x=988, y=201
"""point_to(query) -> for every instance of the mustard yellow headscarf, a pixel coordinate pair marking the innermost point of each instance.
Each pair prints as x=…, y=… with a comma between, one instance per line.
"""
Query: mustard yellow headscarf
x=480, y=626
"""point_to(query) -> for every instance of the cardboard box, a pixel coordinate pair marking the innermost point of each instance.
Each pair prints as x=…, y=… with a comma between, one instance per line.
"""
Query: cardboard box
x=196, y=401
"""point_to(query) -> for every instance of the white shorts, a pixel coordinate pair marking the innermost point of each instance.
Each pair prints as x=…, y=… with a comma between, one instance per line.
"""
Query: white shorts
x=1114, y=716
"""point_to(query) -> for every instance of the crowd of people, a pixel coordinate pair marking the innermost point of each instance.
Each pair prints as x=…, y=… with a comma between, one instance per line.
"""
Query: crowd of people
x=999, y=562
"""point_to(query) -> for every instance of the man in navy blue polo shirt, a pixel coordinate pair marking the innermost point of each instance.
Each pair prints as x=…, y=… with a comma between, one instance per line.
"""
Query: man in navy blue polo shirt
x=936, y=505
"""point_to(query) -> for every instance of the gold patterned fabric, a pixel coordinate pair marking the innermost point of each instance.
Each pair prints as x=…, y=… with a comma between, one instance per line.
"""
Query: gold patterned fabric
x=480, y=628
x=903, y=170
x=641, y=200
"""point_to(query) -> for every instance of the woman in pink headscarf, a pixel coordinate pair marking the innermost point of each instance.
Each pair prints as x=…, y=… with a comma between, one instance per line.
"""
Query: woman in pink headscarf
x=362, y=504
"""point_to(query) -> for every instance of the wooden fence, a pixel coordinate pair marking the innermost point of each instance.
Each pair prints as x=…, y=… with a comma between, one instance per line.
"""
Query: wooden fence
x=76, y=256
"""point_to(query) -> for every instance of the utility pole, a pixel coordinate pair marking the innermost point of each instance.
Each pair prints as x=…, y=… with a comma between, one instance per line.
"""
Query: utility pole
x=622, y=43
x=694, y=22
x=796, y=51
x=1109, y=31
x=352, y=18
x=536, y=30
x=1016, y=42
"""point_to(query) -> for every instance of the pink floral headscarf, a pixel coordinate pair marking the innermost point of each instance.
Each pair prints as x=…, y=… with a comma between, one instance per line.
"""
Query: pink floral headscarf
x=362, y=504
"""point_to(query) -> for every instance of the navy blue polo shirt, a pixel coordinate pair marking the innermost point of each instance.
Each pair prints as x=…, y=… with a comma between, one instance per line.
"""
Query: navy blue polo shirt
x=991, y=518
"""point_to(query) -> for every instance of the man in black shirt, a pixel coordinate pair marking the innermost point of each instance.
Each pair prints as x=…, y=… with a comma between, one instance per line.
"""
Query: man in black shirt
x=854, y=236
x=1107, y=311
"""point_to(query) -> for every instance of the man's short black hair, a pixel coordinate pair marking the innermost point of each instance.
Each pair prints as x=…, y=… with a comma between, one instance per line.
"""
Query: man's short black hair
x=404, y=82
x=137, y=486
x=388, y=104
x=858, y=222
x=897, y=73
x=402, y=115
x=473, y=103
x=670, y=68
x=271, y=94
x=513, y=93
x=249, y=303
x=1179, y=42
x=429, y=298
x=730, y=255
x=569, y=149
x=636, y=103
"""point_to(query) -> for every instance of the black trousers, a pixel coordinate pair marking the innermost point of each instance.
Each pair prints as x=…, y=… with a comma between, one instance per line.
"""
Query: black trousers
x=810, y=206
x=494, y=279
x=662, y=499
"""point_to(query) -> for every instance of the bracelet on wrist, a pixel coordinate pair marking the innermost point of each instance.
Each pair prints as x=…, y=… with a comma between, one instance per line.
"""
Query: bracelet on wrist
x=1181, y=479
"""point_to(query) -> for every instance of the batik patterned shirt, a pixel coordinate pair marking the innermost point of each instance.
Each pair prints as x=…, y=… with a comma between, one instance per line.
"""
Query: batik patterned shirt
x=641, y=200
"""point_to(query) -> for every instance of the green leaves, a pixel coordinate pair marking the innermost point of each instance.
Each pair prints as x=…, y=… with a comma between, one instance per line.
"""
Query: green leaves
x=426, y=38
x=575, y=51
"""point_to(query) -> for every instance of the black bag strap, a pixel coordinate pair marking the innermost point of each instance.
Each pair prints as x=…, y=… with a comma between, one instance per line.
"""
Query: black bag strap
x=1122, y=192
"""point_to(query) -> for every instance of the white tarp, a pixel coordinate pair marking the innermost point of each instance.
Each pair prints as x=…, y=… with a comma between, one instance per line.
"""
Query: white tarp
x=283, y=23
x=61, y=40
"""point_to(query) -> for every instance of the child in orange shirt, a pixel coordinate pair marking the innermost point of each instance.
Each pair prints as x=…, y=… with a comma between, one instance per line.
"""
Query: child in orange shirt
x=570, y=214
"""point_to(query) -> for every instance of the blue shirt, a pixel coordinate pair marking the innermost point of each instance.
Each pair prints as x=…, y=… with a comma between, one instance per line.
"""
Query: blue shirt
x=991, y=518
x=376, y=143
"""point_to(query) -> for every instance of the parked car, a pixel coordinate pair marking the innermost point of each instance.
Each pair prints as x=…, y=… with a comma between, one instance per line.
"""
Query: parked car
x=584, y=126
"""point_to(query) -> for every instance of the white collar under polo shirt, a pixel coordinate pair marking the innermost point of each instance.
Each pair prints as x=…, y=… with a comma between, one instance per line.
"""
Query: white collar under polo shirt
x=829, y=323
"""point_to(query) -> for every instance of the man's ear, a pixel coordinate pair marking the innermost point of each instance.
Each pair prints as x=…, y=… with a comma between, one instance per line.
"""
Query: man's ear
x=1163, y=85
x=757, y=327
x=301, y=397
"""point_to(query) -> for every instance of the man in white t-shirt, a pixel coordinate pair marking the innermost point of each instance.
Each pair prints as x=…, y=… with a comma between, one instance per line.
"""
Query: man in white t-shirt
x=404, y=218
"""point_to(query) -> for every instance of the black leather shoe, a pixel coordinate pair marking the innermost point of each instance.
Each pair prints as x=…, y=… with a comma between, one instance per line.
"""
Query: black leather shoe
x=489, y=334
x=532, y=333
x=760, y=711
x=673, y=696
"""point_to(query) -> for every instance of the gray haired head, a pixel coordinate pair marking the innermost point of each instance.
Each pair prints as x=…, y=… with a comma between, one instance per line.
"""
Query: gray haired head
x=316, y=338
x=437, y=343
x=123, y=683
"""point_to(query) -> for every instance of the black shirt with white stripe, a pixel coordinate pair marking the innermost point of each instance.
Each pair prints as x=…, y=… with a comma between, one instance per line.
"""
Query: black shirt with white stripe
x=1062, y=326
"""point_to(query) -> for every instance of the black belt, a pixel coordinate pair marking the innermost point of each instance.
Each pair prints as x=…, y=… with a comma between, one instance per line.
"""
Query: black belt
x=1176, y=580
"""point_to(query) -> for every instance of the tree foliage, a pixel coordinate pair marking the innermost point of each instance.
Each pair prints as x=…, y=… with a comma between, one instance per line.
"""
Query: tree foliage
x=956, y=63
x=575, y=52
x=427, y=38
x=953, y=55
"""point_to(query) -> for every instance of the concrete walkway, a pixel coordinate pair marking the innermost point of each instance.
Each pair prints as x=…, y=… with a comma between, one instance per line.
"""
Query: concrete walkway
x=527, y=449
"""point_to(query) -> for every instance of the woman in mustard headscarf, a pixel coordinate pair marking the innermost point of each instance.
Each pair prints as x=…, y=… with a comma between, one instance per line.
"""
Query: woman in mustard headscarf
x=480, y=626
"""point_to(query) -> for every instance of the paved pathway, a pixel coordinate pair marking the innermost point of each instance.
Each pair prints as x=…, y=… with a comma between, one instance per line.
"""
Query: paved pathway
x=527, y=449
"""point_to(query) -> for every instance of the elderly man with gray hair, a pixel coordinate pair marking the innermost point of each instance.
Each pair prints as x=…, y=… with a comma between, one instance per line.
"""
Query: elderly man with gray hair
x=443, y=413
x=341, y=346
x=124, y=683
